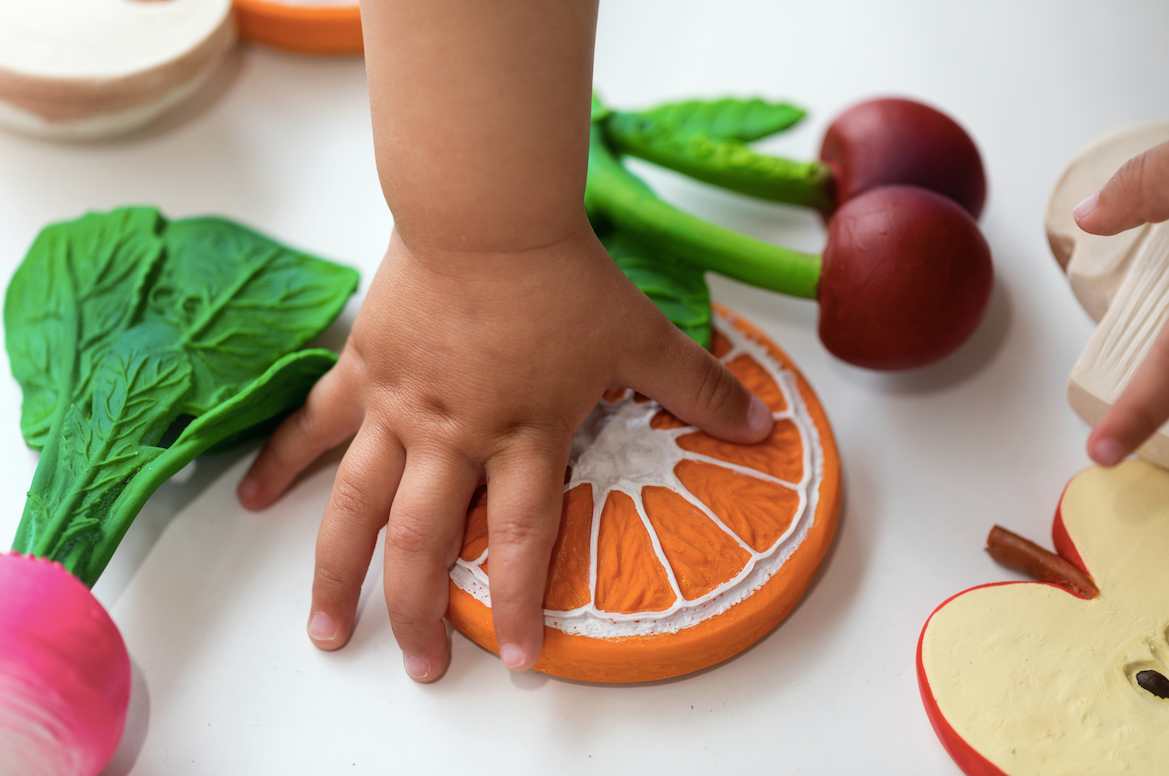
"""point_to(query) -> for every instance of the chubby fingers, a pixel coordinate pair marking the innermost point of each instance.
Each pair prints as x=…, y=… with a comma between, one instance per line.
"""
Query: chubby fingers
x=329, y=416
x=688, y=381
x=359, y=506
x=525, y=494
x=1140, y=410
x=1137, y=194
x=422, y=541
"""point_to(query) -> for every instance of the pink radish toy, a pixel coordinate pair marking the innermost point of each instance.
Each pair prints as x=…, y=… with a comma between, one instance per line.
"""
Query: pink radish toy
x=139, y=344
x=64, y=672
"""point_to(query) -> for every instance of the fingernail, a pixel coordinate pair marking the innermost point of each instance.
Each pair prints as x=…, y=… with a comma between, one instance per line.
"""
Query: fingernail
x=1085, y=208
x=248, y=487
x=759, y=417
x=416, y=667
x=1107, y=452
x=512, y=656
x=320, y=627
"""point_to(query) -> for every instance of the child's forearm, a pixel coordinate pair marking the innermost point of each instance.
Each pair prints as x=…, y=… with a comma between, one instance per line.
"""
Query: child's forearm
x=480, y=118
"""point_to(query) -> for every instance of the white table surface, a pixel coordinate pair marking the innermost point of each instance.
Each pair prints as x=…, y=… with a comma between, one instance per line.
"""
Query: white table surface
x=212, y=600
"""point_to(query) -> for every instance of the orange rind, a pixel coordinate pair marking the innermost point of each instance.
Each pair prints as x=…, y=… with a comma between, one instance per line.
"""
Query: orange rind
x=676, y=550
x=308, y=28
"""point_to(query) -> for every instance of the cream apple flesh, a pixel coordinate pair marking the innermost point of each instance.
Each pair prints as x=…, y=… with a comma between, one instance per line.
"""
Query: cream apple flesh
x=1028, y=678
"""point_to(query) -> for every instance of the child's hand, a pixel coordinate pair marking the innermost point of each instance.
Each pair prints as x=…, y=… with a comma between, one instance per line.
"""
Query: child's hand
x=491, y=329
x=1137, y=194
x=462, y=366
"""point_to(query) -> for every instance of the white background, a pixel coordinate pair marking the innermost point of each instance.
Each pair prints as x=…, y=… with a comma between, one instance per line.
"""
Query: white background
x=212, y=600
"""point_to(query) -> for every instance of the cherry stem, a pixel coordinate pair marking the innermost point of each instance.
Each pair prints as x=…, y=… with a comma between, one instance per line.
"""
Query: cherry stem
x=1027, y=557
x=614, y=195
x=728, y=164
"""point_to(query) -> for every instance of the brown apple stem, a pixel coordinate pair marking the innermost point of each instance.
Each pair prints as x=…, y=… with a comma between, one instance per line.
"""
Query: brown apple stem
x=1026, y=557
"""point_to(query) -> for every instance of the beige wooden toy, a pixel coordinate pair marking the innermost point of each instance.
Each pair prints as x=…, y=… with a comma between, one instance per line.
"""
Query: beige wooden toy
x=92, y=68
x=1122, y=281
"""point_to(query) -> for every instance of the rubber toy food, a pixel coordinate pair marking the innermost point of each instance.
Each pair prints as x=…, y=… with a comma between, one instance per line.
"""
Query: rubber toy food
x=64, y=672
x=93, y=68
x=881, y=142
x=1122, y=281
x=307, y=26
x=905, y=275
x=676, y=550
x=138, y=344
x=1071, y=674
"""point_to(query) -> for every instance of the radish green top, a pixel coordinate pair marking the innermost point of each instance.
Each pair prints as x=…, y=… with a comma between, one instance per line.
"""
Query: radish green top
x=140, y=343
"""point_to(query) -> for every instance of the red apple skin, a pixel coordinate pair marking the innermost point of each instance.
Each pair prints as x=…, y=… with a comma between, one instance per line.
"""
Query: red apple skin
x=1064, y=546
x=888, y=141
x=906, y=278
x=963, y=754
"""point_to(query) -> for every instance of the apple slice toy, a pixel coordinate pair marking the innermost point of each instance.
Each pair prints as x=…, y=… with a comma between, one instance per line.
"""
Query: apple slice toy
x=1121, y=280
x=306, y=26
x=1068, y=675
x=881, y=142
x=94, y=68
x=904, y=278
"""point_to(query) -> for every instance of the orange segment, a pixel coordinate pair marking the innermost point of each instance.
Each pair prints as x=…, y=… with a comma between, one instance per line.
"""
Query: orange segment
x=758, y=382
x=629, y=576
x=568, y=575
x=757, y=510
x=475, y=534
x=719, y=344
x=663, y=420
x=780, y=455
x=701, y=554
x=614, y=395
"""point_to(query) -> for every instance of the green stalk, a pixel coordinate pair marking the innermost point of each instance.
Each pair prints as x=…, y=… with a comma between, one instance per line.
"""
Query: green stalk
x=284, y=385
x=616, y=195
x=727, y=163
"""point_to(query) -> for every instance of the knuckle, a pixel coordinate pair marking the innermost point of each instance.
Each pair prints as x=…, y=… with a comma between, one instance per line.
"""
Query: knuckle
x=407, y=536
x=717, y=388
x=409, y=617
x=328, y=583
x=404, y=619
x=515, y=530
x=348, y=501
x=533, y=439
x=304, y=421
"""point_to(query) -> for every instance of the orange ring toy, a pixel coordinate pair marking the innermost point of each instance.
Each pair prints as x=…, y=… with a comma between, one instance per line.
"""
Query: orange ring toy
x=308, y=29
x=676, y=550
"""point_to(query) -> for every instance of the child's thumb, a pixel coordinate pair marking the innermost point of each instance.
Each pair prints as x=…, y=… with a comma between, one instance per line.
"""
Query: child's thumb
x=1137, y=194
x=696, y=387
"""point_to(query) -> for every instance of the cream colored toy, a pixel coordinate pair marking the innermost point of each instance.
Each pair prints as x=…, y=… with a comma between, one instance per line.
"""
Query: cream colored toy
x=1054, y=677
x=1122, y=281
x=94, y=68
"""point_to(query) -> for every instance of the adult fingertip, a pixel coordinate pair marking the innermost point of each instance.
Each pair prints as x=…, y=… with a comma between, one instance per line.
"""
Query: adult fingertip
x=1086, y=207
x=1106, y=451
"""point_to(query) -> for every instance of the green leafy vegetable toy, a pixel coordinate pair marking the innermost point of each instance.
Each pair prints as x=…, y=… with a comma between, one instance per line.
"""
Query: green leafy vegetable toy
x=140, y=343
